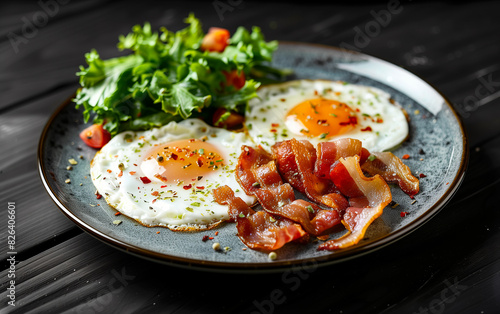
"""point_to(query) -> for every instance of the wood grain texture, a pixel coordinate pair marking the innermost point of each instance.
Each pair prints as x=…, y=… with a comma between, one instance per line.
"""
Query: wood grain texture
x=450, y=265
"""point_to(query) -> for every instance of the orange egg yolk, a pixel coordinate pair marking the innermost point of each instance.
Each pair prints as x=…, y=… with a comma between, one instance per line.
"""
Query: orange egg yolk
x=181, y=161
x=320, y=118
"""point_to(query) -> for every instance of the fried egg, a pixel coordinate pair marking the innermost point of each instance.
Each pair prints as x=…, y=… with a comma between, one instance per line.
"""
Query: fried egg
x=320, y=110
x=165, y=176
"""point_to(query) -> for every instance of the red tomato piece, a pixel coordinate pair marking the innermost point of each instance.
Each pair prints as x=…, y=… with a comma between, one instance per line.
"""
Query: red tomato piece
x=235, y=79
x=234, y=119
x=95, y=136
x=216, y=39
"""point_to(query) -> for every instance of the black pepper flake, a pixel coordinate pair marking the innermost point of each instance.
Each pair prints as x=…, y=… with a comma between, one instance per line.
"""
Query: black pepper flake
x=421, y=151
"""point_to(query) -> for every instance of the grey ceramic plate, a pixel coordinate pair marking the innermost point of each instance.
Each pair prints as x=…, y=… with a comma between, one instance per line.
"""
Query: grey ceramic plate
x=437, y=137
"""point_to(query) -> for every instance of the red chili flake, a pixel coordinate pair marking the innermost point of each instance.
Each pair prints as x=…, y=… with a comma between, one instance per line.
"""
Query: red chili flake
x=321, y=122
x=120, y=174
x=174, y=156
x=368, y=128
x=357, y=110
x=403, y=214
x=315, y=92
x=274, y=130
x=275, y=125
x=145, y=180
x=187, y=187
x=283, y=99
x=352, y=120
x=192, y=140
x=379, y=120
x=205, y=238
x=200, y=187
x=153, y=201
x=98, y=196
x=155, y=193
x=406, y=156
x=109, y=171
x=118, y=214
x=135, y=165
x=163, y=186
x=422, y=175
x=132, y=172
x=216, y=233
x=211, y=238
x=157, y=232
x=199, y=162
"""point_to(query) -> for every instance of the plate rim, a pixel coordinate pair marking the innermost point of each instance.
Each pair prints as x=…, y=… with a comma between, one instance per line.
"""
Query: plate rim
x=274, y=266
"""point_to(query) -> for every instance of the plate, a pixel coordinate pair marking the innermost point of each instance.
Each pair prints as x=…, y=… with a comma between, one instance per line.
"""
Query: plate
x=437, y=146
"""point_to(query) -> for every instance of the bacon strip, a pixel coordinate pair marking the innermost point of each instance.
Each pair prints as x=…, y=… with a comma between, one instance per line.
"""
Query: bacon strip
x=393, y=170
x=257, y=230
x=278, y=198
x=248, y=160
x=317, y=189
x=281, y=201
x=287, y=167
x=329, y=152
x=372, y=191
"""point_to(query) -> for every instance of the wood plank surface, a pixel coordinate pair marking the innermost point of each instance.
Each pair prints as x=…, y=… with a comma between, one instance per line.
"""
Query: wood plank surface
x=449, y=265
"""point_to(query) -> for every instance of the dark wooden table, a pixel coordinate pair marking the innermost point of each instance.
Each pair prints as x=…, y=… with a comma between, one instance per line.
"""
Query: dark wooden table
x=450, y=265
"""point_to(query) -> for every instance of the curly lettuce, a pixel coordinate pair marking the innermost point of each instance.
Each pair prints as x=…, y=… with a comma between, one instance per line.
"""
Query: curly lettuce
x=167, y=77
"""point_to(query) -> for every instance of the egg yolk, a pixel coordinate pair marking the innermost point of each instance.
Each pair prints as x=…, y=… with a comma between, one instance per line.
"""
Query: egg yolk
x=320, y=117
x=181, y=161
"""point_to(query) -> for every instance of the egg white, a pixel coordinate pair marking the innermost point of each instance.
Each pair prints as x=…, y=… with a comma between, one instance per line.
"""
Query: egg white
x=116, y=173
x=268, y=112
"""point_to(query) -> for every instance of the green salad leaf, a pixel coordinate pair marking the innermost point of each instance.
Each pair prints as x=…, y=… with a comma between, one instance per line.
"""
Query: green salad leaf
x=168, y=77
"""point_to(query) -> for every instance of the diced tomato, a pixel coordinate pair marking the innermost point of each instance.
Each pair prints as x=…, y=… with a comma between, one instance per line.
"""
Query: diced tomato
x=95, y=136
x=235, y=79
x=233, y=120
x=216, y=39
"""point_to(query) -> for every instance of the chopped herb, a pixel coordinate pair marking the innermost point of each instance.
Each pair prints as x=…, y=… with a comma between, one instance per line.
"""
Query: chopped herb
x=323, y=135
x=310, y=209
x=372, y=157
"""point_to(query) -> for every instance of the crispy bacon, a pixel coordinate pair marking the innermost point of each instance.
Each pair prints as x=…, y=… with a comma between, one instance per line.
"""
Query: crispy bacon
x=281, y=201
x=393, y=170
x=248, y=160
x=372, y=191
x=330, y=175
x=278, y=198
x=287, y=167
x=257, y=230
x=317, y=189
x=329, y=152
